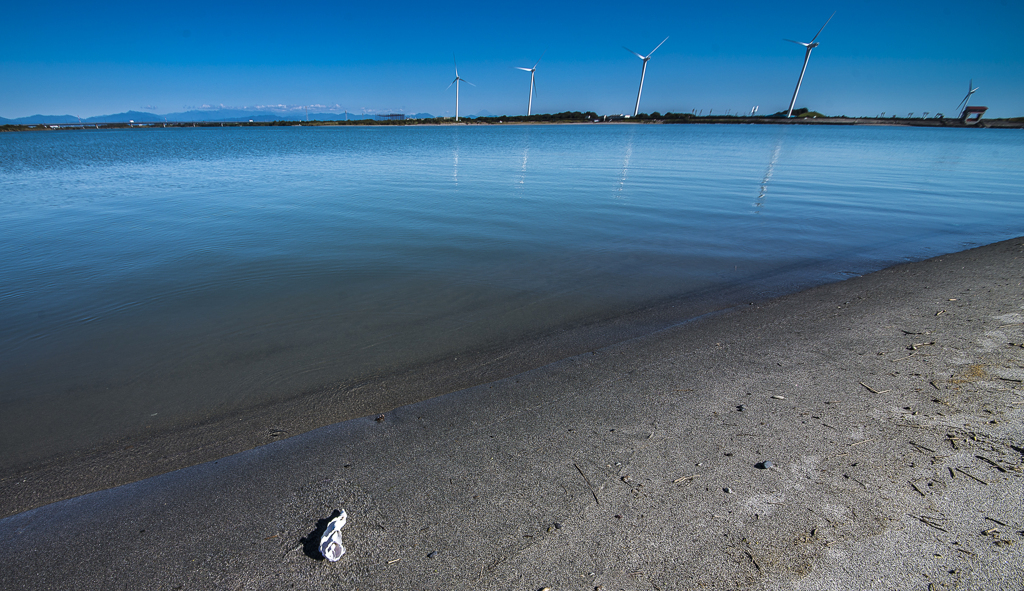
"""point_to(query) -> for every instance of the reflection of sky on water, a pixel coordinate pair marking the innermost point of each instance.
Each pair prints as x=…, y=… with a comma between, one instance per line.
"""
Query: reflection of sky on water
x=212, y=269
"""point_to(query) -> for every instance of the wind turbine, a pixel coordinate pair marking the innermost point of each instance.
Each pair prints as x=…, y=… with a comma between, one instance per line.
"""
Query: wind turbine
x=970, y=90
x=532, y=71
x=810, y=45
x=456, y=83
x=643, y=72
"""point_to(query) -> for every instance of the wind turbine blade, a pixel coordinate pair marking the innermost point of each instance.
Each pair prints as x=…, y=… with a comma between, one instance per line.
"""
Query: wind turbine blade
x=823, y=27
x=633, y=52
x=797, y=42
x=656, y=48
x=450, y=85
x=468, y=82
x=963, y=102
x=541, y=57
x=523, y=69
x=456, y=66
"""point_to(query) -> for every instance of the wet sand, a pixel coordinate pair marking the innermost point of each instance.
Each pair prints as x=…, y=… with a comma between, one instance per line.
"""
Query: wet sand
x=890, y=407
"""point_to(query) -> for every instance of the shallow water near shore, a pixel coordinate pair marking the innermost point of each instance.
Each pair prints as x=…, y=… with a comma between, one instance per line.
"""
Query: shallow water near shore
x=156, y=277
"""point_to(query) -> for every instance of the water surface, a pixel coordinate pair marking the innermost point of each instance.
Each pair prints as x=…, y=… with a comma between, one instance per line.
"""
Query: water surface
x=153, y=277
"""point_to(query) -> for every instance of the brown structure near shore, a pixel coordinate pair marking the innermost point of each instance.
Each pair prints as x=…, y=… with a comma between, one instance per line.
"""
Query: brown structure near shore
x=866, y=434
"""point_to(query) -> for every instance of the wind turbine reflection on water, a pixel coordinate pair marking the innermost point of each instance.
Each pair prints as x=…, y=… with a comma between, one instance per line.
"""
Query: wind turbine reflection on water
x=522, y=170
x=625, y=164
x=768, y=175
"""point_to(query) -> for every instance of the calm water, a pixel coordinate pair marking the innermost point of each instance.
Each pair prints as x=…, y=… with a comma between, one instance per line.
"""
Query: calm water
x=168, y=275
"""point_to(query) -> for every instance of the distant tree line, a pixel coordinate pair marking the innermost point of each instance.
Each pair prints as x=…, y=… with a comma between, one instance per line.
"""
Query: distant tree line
x=563, y=117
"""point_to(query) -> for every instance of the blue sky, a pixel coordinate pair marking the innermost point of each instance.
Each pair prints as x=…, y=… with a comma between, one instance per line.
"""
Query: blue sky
x=82, y=59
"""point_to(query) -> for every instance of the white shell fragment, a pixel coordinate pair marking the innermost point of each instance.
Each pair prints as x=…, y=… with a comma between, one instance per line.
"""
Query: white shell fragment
x=330, y=542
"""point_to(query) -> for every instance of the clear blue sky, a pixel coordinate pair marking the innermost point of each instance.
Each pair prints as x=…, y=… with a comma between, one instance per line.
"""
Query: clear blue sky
x=86, y=59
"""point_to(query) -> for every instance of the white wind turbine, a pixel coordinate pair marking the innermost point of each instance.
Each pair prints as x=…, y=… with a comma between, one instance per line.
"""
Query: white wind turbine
x=456, y=83
x=810, y=45
x=970, y=90
x=643, y=72
x=532, y=71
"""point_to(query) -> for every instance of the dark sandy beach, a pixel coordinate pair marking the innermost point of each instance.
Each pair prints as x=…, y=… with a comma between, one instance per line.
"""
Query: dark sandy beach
x=889, y=406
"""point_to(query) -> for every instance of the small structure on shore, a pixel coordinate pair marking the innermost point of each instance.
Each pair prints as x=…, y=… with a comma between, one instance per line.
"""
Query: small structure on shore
x=971, y=115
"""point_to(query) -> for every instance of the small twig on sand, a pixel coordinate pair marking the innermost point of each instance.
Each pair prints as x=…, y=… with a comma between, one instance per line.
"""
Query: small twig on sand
x=860, y=442
x=993, y=519
x=917, y=346
x=917, y=489
x=914, y=354
x=921, y=447
x=587, y=480
x=872, y=390
x=969, y=475
x=994, y=465
x=925, y=521
x=751, y=557
x=685, y=478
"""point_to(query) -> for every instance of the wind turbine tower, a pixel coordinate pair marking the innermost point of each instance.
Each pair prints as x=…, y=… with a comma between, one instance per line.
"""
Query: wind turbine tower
x=810, y=45
x=456, y=83
x=643, y=72
x=533, y=72
x=963, y=104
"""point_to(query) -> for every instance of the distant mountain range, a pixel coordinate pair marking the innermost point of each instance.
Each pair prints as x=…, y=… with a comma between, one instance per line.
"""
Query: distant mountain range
x=214, y=115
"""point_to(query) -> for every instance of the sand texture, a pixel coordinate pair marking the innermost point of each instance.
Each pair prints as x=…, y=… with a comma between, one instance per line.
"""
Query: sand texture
x=891, y=407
